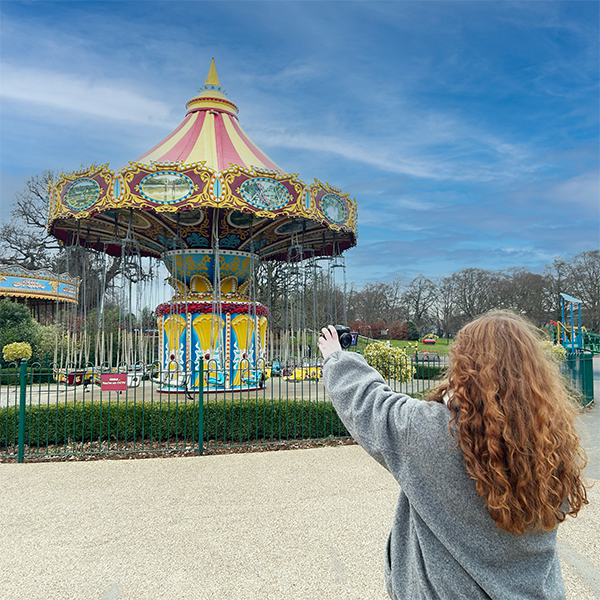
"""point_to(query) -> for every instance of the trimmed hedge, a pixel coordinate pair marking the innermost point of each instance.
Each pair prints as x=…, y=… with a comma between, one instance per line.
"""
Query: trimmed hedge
x=12, y=377
x=236, y=421
x=425, y=371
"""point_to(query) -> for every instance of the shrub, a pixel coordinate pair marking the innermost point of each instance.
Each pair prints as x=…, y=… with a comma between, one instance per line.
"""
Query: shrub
x=392, y=362
x=17, y=325
x=236, y=421
x=426, y=371
x=16, y=351
x=13, y=313
x=377, y=327
x=556, y=352
x=50, y=338
x=9, y=375
x=398, y=331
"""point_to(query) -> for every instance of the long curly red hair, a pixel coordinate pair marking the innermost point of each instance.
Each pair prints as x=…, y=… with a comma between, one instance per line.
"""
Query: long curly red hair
x=514, y=421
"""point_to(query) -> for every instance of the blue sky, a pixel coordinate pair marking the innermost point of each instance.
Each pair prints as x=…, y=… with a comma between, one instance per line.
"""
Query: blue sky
x=468, y=132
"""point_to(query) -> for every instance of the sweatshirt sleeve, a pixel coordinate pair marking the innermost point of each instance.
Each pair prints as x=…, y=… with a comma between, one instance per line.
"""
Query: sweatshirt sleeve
x=377, y=417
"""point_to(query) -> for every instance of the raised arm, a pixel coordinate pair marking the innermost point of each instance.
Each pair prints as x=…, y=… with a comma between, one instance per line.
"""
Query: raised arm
x=376, y=417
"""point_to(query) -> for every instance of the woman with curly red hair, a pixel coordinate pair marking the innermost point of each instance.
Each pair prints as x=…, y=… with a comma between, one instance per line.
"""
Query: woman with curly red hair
x=488, y=467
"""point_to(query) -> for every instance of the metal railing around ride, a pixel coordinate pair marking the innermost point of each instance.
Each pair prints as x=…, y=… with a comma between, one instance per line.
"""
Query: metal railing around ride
x=47, y=412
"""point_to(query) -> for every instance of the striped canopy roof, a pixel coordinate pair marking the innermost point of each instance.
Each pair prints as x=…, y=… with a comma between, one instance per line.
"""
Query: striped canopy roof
x=210, y=132
x=206, y=182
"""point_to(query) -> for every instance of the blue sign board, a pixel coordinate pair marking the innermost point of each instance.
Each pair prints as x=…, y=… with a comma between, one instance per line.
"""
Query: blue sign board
x=17, y=281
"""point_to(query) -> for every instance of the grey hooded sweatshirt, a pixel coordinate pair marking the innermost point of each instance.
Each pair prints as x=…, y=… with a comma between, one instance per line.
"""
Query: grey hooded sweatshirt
x=443, y=543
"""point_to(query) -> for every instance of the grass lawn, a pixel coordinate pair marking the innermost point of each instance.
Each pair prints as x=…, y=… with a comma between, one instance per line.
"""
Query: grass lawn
x=442, y=345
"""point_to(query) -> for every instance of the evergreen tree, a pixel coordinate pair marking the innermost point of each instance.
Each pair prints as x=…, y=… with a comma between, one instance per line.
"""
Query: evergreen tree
x=413, y=332
x=17, y=325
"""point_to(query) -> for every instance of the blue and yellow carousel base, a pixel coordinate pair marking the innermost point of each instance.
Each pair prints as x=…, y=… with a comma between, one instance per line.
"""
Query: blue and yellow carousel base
x=230, y=344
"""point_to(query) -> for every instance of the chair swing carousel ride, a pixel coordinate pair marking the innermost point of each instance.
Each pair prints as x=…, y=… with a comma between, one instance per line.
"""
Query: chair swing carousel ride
x=209, y=204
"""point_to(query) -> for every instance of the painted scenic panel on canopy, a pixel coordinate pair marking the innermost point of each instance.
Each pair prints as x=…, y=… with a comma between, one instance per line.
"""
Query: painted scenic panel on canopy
x=166, y=187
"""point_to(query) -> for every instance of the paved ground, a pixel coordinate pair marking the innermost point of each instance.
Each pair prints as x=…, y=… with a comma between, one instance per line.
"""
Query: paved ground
x=288, y=525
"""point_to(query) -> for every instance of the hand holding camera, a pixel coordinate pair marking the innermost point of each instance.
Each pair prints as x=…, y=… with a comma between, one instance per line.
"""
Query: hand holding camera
x=334, y=338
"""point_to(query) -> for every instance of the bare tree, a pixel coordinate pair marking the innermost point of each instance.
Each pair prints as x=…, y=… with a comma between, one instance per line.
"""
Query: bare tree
x=558, y=277
x=585, y=279
x=453, y=300
x=270, y=289
x=376, y=302
x=475, y=292
x=24, y=240
x=445, y=305
x=525, y=293
x=418, y=298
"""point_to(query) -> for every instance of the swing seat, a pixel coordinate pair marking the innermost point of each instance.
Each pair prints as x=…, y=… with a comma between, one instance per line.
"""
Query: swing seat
x=135, y=374
x=134, y=379
x=298, y=374
x=73, y=376
x=175, y=379
x=314, y=373
x=218, y=381
x=255, y=378
x=276, y=370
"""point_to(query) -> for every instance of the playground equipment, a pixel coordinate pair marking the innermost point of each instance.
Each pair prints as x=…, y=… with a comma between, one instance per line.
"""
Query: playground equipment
x=588, y=339
x=211, y=206
x=571, y=338
x=580, y=346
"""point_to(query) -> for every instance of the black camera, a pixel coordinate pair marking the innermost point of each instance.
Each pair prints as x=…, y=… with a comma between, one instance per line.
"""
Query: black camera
x=344, y=336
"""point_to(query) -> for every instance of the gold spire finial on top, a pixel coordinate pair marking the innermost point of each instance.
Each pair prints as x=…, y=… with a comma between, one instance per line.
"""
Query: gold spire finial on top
x=211, y=96
x=212, y=78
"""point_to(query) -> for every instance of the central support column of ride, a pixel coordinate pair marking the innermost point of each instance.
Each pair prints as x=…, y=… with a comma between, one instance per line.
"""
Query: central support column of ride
x=211, y=318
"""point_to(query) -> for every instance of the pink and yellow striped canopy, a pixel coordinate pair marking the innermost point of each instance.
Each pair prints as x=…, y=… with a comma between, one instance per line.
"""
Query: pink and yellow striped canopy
x=212, y=133
x=206, y=182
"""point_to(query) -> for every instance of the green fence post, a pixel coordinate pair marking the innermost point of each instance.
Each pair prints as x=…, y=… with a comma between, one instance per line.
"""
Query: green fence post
x=201, y=409
x=22, y=389
x=580, y=368
x=587, y=376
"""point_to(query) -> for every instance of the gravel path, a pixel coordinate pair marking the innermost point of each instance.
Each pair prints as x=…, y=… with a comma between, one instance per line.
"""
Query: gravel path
x=288, y=525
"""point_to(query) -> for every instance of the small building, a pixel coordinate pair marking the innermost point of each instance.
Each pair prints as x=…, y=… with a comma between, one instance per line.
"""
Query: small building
x=43, y=291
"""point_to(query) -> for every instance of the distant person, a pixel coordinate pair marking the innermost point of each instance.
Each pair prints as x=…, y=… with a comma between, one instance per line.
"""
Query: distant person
x=487, y=468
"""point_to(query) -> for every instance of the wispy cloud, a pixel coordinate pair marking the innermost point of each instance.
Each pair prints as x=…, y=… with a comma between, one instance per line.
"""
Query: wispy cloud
x=581, y=191
x=351, y=150
x=440, y=155
x=108, y=100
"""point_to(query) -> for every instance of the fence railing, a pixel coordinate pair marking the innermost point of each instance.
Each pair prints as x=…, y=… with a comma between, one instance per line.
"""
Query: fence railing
x=50, y=412
x=579, y=368
x=591, y=341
